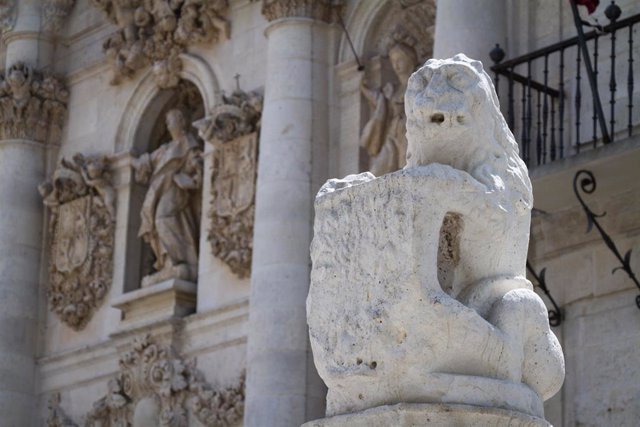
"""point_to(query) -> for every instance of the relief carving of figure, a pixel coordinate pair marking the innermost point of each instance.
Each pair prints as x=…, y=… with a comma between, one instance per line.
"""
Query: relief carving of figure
x=170, y=211
x=383, y=136
x=81, y=201
x=156, y=32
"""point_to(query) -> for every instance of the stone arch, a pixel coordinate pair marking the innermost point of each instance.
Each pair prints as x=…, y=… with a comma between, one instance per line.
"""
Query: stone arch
x=142, y=130
x=147, y=96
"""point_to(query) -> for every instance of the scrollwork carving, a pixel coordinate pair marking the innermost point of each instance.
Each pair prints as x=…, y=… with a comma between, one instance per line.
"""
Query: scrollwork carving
x=156, y=32
x=81, y=202
x=32, y=106
x=232, y=128
x=156, y=387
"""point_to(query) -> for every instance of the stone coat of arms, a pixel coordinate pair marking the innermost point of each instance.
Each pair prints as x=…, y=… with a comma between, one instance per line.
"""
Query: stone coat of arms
x=81, y=200
x=232, y=128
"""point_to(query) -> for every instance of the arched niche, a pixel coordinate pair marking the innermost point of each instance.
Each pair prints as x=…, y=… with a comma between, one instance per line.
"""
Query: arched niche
x=150, y=133
x=375, y=27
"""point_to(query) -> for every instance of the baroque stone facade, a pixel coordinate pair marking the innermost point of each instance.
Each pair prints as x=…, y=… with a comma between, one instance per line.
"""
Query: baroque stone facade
x=81, y=202
x=232, y=128
x=156, y=32
x=54, y=12
x=33, y=106
x=322, y=10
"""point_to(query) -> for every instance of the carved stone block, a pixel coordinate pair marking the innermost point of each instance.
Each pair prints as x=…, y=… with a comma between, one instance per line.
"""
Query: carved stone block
x=81, y=222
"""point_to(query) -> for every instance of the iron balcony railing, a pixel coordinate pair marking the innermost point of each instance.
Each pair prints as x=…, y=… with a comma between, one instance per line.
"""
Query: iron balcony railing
x=555, y=110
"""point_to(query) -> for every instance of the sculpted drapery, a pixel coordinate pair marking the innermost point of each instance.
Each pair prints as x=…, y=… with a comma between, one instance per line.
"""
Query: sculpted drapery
x=170, y=211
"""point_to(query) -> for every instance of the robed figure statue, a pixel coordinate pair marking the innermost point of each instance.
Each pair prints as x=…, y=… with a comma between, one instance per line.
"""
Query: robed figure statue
x=170, y=211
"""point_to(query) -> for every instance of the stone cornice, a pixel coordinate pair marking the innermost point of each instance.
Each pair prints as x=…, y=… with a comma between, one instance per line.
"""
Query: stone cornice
x=321, y=10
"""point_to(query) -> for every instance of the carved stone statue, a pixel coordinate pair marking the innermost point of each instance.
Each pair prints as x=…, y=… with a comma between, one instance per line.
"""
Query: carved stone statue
x=157, y=31
x=170, y=211
x=81, y=203
x=32, y=106
x=419, y=296
x=156, y=388
x=232, y=128
x=384, y=134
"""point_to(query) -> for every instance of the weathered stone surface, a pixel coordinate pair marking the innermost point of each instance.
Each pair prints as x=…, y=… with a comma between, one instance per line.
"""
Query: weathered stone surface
x=420, y=414
x=418, y=290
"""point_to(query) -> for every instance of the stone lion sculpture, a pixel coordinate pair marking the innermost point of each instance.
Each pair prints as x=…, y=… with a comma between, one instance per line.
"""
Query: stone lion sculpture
x=418, y=289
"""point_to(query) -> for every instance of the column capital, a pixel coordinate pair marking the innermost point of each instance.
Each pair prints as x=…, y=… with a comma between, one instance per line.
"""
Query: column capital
x=321, y=10
x=33, y=105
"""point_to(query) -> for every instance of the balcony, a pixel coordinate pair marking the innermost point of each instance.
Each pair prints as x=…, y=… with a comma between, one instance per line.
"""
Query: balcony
x=575, y=95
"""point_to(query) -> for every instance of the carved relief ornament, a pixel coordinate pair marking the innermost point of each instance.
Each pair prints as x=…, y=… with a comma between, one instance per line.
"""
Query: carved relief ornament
x=57, y=417
x=81, y=201
x=54, y=12
x=33, y=106
x=322, y=10
x=7, y=14
x=232, y=128
x=156, y=387
x=156, y=32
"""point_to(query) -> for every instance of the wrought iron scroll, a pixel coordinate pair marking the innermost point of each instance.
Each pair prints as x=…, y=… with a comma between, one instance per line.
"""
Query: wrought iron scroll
x=555, y=314
x=585, y=181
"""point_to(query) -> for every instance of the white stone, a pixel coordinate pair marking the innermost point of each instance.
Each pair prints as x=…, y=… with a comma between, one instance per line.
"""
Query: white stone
x=418, y=290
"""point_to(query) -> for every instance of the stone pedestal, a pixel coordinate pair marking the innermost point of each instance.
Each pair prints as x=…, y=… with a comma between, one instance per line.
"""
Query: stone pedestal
x=421, y=414
x=161, y=301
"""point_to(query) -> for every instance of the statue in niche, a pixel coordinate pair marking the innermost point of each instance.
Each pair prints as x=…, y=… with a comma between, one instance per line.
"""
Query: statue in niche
x=383, y=136
x=81, y=201
x=170, y=211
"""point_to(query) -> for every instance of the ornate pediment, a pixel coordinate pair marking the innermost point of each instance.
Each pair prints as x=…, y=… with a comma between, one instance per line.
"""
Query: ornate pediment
x=81, y=200
x=156, y=32
x=154, y=386
x=232, y=128
x=33, y=106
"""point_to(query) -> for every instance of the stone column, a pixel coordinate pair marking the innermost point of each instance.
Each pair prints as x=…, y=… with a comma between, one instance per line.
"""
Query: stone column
x=470, y=27
x=22, y=168
x=283, y=388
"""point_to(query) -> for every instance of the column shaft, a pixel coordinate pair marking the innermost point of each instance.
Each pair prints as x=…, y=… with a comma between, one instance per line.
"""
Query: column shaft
x=283, y=388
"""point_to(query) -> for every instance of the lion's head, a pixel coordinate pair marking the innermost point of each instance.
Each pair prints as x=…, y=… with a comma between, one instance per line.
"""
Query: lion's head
x=454, y=118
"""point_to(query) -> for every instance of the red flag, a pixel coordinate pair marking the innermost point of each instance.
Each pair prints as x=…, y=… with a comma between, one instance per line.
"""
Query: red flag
x=591, y=4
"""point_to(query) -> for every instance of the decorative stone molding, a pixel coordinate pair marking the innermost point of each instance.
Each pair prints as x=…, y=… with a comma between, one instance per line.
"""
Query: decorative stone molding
x=54, y=12
x=232, y=128
x=33, y=106
x=156, y=32
x=321, y=10
x=156, y=387
x=7, y=15
x=81, y=202
x=57, y=417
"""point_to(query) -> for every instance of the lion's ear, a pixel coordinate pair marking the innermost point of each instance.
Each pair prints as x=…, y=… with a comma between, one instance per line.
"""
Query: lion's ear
x=477, y=65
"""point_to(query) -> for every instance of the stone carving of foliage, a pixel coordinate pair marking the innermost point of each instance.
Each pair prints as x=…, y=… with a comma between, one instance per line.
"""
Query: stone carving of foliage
x=232, y=128
x=81, y=201
x=156, y=32
x=7, y=14
x=57, y=417
x=155, y=386
x=32, y=106
x=54, y=13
